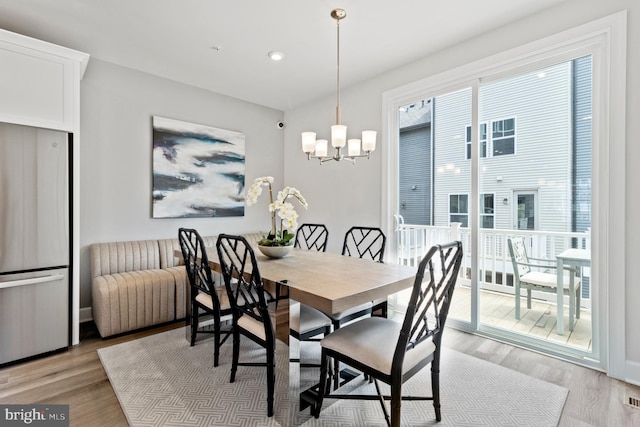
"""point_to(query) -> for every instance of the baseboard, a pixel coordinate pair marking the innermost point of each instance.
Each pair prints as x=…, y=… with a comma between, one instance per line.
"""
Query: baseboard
x=632, y=374
x=86, y=315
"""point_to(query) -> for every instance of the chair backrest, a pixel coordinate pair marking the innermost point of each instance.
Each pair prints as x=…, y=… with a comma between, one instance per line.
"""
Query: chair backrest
x=519, y=258
x=196, y=263
x=429, y=303
x=312, y=236
x=243, y=281
x=365, y=242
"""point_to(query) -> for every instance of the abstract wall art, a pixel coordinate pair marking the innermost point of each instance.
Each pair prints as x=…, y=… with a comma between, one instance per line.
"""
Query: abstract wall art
x=198, y=171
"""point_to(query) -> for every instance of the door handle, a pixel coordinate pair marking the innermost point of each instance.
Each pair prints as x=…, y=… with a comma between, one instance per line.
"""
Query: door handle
x=32, y=281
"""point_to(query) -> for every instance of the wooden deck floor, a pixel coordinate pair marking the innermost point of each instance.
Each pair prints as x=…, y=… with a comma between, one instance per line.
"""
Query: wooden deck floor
x=498, y=310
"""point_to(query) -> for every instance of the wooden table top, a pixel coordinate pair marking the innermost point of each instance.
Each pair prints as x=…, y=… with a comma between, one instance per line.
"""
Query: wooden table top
x=330, y=282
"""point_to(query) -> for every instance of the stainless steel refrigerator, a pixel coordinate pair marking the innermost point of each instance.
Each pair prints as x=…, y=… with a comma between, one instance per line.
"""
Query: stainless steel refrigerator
x=34, y=241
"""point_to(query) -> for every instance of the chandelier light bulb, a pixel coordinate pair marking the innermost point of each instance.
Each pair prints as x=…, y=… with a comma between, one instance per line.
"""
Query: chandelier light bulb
x=308, y=142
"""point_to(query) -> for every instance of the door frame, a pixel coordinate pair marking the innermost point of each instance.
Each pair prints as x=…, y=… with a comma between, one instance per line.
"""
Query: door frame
x=605, y=40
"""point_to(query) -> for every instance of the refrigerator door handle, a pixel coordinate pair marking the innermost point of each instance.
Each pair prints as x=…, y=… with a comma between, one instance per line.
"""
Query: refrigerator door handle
x=23, y=282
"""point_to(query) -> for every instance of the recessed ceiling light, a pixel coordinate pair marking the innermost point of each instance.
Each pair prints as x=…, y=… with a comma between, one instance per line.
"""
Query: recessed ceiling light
x=276, y=56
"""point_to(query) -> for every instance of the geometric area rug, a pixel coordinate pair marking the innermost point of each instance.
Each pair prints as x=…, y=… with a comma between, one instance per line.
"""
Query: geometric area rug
x=161, y=381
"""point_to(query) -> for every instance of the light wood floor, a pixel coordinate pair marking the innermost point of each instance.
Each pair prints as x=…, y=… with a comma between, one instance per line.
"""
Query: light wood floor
x=77, y=378
x=498, y=310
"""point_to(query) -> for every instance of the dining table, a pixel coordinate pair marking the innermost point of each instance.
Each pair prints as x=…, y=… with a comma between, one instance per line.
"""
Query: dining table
x=326, y=281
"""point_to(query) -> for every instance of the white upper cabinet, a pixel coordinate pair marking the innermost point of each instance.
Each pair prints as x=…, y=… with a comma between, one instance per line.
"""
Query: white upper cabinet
x=39, y=82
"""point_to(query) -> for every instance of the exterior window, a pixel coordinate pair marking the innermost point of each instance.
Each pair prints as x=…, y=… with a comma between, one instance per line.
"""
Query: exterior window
x=459, y=209
x=486, y=211
x=502, y=141
x=503, y=137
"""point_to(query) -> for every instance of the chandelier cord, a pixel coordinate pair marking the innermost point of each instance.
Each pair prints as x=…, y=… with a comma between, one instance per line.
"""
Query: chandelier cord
x=338, y=73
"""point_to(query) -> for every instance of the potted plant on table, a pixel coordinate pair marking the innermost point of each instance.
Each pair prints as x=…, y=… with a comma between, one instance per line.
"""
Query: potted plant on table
x=279, y=241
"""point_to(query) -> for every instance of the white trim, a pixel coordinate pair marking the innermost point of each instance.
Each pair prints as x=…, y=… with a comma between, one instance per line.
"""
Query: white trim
x=86, y=315
x=605, y=38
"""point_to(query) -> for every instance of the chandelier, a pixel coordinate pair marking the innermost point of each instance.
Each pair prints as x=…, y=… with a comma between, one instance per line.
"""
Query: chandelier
x=317, y=148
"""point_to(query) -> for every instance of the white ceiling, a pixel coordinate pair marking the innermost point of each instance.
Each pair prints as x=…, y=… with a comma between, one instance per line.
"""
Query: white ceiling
x=174, y=38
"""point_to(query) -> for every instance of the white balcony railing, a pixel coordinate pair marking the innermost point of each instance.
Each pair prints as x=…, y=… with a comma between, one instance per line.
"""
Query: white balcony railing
x=494, y=262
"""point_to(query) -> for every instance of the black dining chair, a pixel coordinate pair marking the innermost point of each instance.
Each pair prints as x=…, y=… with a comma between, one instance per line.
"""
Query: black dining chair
x=249, y=306
x=312, y=237
x=307, y=323
x=368, y=243
x=409, y=346
x=206, y=297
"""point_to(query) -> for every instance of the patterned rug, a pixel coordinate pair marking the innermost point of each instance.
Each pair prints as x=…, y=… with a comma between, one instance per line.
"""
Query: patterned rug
x=161, y=381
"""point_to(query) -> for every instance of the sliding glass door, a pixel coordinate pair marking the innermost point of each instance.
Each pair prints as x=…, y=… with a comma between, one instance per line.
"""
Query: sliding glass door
x=519, y=150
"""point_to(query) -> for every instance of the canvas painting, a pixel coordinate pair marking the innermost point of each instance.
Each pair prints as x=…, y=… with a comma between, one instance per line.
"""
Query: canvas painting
x=198, y=171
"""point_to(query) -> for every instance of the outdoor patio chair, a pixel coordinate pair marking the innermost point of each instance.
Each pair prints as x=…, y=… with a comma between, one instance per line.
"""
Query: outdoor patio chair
x=533, y=274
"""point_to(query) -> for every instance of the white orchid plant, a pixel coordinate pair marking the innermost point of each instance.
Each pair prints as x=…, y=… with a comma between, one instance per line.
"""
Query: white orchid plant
x=282, y=236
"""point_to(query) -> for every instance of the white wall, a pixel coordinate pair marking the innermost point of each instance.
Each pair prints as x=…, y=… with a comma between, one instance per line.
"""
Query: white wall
x=117, y=105
x=341, y=194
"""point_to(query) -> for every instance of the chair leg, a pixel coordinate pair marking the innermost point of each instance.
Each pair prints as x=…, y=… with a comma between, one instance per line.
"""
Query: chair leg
x=194, y=323
x=324, y=384
x=336, y=364
x=271, y=380
x=236, y=353
x=396, y=404
x=529, y=299
x=216, y=340
x=517, y=293
x=578, y=292
x=435, y=384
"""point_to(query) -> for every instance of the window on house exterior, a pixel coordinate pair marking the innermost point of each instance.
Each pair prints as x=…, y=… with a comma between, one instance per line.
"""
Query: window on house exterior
x=502, y=141
x=487, y=211
x=459, y=209
x=503, y=137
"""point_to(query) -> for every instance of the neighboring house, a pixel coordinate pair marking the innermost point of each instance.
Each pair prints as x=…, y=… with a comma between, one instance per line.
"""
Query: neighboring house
x=535, y=153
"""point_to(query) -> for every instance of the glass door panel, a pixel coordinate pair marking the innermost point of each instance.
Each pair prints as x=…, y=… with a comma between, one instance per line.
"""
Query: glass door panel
x=535, y=184
x=435, y=186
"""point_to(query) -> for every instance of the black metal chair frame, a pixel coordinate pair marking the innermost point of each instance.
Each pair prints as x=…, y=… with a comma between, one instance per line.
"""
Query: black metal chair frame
x=244, y=284
x=366, y=242
x=361, y=242
x=425, y=319
x=201, y=281
x=312, y=236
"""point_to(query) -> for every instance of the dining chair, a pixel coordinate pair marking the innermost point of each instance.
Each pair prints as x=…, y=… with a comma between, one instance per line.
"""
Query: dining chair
x=368, y=243
x=408, y=346
x=249, y=306
x=533, y=274
x=307, y=323
x=312, y=236
x=205, y=295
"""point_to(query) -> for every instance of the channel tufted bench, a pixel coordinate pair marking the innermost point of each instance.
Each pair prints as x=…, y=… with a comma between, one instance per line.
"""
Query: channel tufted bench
x=135, y=284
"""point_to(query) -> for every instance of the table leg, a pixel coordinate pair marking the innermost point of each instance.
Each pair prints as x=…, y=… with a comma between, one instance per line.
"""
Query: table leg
x=287, y=406
x=560, y=298
x=572, y=301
